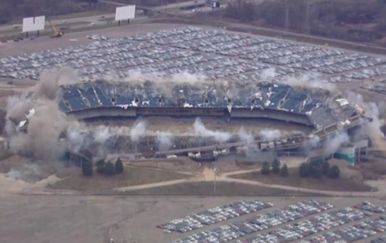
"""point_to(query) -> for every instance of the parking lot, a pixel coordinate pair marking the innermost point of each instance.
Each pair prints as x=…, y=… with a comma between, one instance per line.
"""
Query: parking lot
x=214, y=215
x=216, y=54
x=304, y=221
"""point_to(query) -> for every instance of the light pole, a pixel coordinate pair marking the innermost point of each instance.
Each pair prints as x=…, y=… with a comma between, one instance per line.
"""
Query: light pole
x=214, y=183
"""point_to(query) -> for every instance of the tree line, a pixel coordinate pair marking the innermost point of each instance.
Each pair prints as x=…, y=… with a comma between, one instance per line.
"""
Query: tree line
x=103, y=167
x=306, y=169
x=16, y=9
x=275, y=167
x=342, y=19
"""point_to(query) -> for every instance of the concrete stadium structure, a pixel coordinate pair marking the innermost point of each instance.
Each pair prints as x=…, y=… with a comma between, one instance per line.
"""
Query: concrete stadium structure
x=263, y=100
x=321, y=110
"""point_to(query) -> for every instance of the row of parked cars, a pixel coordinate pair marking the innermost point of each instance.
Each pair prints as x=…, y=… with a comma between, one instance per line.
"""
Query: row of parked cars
x=318, y=218
x=313, y=225
x=381, y=239
x=215, y=53
x=214, y=215
x=260, y=222
x=359, y=231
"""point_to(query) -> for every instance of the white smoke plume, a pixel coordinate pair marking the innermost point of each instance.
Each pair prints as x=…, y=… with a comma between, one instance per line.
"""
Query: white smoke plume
x=245, y=136
x=23, y=172
x=200, y=130
x=38, y=135
x=164, y=140
x=310, y=81
x=138, y=130
x=313, y=141
x=270, y=134
x=188, y=78
x=101, y=134
x=332, y=144
x=304, y=80
x=14, y=174
x=162, y=82
x=76, y=139
x=373, y=128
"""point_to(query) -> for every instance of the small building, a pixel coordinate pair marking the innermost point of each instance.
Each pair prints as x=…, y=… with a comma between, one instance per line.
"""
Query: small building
x=346, y=153
x=352, y=152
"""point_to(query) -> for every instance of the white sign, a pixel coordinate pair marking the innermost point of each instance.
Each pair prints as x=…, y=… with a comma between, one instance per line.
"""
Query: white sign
x=40, y=21
x=28, y=24
x=125, y=13
x=33, y=23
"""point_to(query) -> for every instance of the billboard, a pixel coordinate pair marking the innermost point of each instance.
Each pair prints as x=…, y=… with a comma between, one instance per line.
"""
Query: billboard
x=28, y=24
x=40, y=22
x=125, y=13
x=33, y=23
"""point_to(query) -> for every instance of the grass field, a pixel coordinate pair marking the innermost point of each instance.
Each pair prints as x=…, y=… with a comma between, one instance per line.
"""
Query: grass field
x=130, y=177
x=321, y=183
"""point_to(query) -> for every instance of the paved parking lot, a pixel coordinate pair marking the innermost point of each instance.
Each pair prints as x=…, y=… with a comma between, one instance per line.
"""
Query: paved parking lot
x=214, y=215
x=215, y=53
x=307, y=221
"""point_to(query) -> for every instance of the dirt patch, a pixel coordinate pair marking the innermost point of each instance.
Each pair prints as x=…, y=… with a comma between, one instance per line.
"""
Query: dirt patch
x=321, y=183
x=176, y=165
x=130, y=177
x=234, y=163
x=222, y=189
x=372, y=170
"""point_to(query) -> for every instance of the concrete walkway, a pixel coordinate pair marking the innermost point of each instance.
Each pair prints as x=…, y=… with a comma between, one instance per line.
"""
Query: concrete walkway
x=226, y=177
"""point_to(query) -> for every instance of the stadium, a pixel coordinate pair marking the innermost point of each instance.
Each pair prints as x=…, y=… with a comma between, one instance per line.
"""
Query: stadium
x=217, y=75
x=159, y=125
x=324, y=114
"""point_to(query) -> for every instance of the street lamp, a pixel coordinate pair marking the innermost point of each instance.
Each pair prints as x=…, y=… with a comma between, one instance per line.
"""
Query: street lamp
x=215, y=177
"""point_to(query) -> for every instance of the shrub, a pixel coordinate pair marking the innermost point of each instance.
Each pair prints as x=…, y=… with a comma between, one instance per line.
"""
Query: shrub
x=100, y=166
x=334, y=172
x=304, y=170
x=325, y=168
x=284, y=170
x=87, y=168
x=109, y=169
x=315, y=168
x=276, y=166
x=266, y=168
x=118, y=166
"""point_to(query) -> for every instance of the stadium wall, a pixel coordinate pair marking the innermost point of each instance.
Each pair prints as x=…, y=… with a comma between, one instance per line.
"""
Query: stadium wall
x=244, y=113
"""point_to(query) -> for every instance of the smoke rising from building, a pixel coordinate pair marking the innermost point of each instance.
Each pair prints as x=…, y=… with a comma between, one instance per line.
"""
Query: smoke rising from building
x=138, y=130
x=201, y=131
x=37, y=134
x=305, y=80
x=333, y=143
x=372, y=128
x=164, y=140
x=310, y=81
x=245, y=136
x=270, y=134
x=47, y=123
x=162, y=82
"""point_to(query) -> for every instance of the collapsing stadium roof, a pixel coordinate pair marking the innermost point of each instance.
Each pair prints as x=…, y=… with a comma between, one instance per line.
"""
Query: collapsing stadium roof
x=320, y=107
